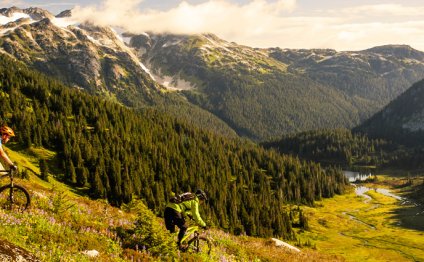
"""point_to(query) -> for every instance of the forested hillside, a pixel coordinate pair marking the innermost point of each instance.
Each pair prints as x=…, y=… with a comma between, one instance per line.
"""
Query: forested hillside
x=402, y=120
x=348, y=149
x=337, y=146
x=115, y=153
x=252, y=92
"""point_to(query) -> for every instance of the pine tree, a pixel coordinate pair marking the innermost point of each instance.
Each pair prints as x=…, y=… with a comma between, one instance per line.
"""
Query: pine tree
x=44, y=169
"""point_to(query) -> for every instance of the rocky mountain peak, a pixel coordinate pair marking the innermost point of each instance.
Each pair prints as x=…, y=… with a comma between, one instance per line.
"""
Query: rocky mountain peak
x=398, y=51
x=34, y=12
x=142, y=42
x=38, y=13
x=10, y=11
x=66, y=13
x=82, y=55
x=44, y=24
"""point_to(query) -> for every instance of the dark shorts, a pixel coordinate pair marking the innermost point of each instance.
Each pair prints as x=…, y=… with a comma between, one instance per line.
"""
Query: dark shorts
x=174, y=218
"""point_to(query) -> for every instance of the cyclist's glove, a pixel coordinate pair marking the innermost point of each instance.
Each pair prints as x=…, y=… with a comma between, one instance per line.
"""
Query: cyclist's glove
x=14, y=167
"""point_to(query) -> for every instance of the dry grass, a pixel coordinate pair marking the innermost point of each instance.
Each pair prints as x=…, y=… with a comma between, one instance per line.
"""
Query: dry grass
x=244, y=248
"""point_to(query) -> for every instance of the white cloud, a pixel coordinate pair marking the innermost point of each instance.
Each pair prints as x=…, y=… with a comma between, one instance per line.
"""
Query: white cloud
x=4, y=19
x=216, y=16
x=266, y=23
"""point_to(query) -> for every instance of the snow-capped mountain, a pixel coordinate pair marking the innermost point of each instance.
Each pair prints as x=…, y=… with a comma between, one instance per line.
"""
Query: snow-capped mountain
x=83, y=55
x=260, y=93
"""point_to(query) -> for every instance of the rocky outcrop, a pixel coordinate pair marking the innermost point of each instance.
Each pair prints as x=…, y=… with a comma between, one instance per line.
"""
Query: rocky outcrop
x=10, y=252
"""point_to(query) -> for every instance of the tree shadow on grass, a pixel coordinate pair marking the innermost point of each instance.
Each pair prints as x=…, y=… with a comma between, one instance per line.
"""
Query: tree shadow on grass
x=411, y=212
x=410, y=216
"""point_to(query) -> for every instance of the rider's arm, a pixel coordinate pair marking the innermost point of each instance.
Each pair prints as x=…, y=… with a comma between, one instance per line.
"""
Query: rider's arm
x=195, y=213
x=5, y=157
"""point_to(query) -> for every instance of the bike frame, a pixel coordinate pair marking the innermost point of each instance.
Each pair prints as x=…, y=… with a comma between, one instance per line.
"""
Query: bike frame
x=191, y=230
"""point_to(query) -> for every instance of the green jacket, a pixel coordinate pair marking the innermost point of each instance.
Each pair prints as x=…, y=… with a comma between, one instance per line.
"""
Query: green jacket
x=189, y=208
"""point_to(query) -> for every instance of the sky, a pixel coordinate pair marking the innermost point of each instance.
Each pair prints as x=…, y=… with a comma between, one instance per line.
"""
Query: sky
x=337, y=24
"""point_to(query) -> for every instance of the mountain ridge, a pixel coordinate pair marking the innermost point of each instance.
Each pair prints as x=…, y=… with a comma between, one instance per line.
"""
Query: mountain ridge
x=259, y=93
x=210, y=63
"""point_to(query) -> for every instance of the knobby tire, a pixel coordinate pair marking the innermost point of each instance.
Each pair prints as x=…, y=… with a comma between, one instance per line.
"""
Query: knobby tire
x=14, y=198
x=200, y=244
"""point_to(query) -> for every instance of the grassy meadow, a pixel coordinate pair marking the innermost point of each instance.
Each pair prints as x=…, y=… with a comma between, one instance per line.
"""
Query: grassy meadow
x=367, y=229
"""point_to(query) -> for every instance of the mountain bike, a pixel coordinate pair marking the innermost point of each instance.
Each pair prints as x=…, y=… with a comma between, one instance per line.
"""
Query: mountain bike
x=196, y=242
x=13, y=196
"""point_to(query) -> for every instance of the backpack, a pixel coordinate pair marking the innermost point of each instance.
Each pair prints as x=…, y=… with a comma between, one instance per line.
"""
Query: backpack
x=177, y=199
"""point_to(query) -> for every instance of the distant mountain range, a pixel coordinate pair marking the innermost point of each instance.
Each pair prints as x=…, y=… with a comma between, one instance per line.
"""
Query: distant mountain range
x=372, y=77
x=266, y=92
x=258, y=93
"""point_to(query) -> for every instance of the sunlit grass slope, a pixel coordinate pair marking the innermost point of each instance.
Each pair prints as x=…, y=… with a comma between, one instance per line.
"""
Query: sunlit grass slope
x=62, y=226
x=363, y=230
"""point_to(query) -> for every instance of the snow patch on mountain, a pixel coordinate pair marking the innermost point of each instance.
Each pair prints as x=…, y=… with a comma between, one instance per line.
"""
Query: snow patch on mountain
x=124, y=39
x=324, y=58
x=15, y=16
x=172, y=83
x=167, y=44
x=63, y=22
x=92, y=39
x=147, y=70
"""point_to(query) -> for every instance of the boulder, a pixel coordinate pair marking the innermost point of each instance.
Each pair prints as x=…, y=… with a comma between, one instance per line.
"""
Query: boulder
x=279, y=243
x=11, y=252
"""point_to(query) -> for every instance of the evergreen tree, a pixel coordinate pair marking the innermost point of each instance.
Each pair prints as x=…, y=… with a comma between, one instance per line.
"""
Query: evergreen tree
x=44, y=170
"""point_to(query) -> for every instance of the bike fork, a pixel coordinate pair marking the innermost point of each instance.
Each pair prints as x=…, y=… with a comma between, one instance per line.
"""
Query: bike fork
x=11, y=195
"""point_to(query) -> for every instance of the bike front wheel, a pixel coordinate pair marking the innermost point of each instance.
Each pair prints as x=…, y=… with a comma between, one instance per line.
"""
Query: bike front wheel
x=200, y=244
x=14, y=198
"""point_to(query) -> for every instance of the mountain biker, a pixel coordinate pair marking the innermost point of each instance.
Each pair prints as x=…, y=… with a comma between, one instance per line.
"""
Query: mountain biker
x=175, y=214
x=6, y=133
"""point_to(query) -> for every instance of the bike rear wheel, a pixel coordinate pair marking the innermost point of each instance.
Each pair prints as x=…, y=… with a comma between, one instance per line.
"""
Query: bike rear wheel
x=14, y=198
x=200, y=244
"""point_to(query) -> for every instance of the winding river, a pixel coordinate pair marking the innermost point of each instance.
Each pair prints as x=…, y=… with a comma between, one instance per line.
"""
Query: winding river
x=409, y=214
x=361, y=190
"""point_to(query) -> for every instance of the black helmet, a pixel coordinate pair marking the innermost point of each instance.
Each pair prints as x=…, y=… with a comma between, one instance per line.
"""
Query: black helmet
x=201, y=194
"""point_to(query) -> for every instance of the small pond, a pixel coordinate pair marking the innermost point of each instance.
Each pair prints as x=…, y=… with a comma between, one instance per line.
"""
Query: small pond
x=356, y=176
